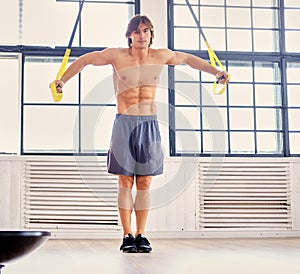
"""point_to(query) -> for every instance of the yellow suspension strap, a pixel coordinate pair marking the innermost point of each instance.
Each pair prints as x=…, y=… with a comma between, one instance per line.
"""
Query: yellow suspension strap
x=214, y=60
x=58, y=96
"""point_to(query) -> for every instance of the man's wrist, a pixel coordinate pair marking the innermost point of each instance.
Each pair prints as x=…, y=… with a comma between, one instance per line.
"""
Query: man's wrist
x=219, y=74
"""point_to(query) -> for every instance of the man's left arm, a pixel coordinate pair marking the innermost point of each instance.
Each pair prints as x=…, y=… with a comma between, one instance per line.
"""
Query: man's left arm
x=178, y=58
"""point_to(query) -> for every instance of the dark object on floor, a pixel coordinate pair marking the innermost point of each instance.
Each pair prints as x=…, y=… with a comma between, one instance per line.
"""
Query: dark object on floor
x=15, y=244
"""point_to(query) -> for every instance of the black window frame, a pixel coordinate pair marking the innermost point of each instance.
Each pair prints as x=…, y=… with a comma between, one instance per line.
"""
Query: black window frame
x=281, y=57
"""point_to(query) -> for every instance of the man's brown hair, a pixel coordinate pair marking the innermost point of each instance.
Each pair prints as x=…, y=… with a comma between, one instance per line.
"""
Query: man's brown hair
x=134, y=24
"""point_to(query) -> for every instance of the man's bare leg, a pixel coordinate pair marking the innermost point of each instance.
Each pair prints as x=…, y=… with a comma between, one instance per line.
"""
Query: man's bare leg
x=142, y=203
x=141, y=208
x=125, y=202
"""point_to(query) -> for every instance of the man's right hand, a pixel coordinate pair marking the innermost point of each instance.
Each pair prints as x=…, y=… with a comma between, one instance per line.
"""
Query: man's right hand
x=59, y=85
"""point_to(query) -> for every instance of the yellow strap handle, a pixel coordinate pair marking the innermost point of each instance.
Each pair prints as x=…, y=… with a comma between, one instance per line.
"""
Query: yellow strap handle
x=213, y=60
x=58, y=96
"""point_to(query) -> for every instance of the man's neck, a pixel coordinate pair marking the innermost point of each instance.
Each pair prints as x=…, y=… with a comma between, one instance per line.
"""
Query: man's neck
x=139, y=53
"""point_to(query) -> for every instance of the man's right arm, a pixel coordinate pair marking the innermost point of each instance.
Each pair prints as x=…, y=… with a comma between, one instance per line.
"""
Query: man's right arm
x=96, y=58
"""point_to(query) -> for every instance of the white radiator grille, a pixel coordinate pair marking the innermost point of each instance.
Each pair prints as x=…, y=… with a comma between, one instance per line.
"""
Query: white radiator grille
x=244, y=196
x=69, y=195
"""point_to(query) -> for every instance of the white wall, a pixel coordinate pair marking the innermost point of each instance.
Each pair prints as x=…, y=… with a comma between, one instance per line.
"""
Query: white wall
x=10, y=192
x=295, y=188
x=174, y=200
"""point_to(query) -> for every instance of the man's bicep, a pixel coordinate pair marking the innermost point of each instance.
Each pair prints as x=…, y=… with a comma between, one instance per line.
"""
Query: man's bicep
x=177, y=58
x=100, y=58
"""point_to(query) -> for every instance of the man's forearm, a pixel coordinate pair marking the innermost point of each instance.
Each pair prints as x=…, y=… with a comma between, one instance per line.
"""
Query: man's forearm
x=200, y=64
x=72, y=70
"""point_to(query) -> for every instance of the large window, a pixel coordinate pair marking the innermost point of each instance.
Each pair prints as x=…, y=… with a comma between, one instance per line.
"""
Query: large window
x=257, y=113
x=81, y=122
x=31, y=48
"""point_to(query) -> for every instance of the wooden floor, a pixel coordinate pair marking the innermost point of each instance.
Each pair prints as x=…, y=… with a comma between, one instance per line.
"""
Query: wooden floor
x=174, y=256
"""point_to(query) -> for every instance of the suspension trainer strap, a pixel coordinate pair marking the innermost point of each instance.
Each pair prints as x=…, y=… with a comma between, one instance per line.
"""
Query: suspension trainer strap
x=214, y=60
x=58, y=96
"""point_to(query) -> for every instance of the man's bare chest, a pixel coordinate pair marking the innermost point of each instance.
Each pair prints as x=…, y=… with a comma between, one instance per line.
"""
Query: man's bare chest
x=138, y=75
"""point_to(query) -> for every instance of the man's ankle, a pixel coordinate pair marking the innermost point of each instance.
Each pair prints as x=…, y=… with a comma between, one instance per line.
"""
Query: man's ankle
x=126, y=233
x=139, y=233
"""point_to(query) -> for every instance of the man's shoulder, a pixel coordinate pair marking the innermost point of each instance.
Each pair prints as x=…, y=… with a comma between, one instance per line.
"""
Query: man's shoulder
x=161, y=50
x=162, y=53
x=112, y=53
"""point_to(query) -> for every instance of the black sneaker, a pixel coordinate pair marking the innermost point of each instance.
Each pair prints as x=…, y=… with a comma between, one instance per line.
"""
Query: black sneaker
x=142, y=244
x=128, y=244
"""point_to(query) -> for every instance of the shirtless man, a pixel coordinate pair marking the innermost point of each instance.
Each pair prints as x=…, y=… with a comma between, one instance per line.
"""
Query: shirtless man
x=135, y=153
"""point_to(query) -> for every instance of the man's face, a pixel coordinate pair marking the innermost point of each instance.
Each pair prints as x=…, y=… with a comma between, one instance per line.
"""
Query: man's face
x=141, y=37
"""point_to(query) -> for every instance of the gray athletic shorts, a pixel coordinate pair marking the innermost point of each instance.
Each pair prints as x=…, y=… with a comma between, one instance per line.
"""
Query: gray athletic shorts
x=135, y=147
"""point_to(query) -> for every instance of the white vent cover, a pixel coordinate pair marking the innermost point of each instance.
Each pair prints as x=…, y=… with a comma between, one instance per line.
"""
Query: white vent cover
x=69, y=195
x=249, y=195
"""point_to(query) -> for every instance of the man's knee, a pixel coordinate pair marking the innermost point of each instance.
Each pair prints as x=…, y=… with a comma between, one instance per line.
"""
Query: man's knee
x=126, y=181
x=143, y=182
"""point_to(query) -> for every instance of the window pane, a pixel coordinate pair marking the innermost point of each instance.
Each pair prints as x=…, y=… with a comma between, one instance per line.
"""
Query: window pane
x=293, y=72
x=268, y=142
x=267, y=72
x=95, y=30
x=292, y=39
x=265, y=18
x=183, y=16
x=9, y=105
x=241, y=118
x=293, y=95
x=215, y=142
x=291, y=19
x=267, y=95
x=216, y=38
x=43, y=127
x=239, y=40
x=214, y=118
x=242, y=142
x=295, y=143
x=188, y=142
x=241, y=72
x=211, y=99
x=268, y=119
x=97, y=85
x=187, y=93
x=294, y=115
x=265, y=3
x=39, y=72
x=291, y=3
x=241, y=95
x=266, y=40
x=212, y=17
x=238, y=3
x=43, y=28
x=187, y=118
x=238, y=17
x=186, y=38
